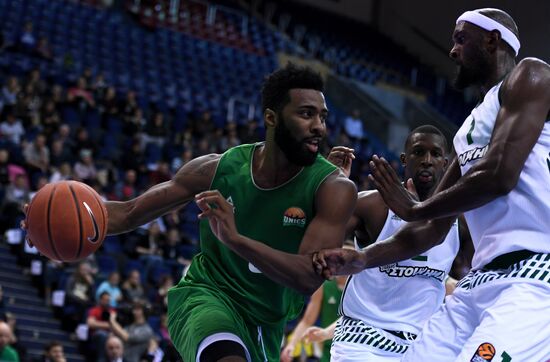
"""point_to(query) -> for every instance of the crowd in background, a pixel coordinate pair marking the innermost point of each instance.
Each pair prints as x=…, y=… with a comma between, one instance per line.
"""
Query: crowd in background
x=120, y=144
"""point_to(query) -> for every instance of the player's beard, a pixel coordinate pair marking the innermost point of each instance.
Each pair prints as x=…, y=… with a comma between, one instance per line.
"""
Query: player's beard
x=472, y=72
x=294, y=150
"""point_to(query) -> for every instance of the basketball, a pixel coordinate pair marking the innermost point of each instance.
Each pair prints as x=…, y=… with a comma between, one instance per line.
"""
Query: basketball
x=66, y=221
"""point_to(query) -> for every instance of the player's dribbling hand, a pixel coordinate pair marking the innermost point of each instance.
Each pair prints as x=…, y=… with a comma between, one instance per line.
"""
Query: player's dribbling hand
x=219, y=213
x=399, y=199
x=23, y=225
x=342, y=157
x=332, y=262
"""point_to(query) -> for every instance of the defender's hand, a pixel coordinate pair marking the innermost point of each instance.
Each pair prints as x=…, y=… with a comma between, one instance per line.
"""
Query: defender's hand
x=399, y=199
x=331, y=262
x=316, y=334
x=219, y=213
x=342, y=157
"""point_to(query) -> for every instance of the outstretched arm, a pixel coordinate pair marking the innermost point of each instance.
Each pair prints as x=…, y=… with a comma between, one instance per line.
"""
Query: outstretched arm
x=310, y=316
x=334, y=203
x=410, y=240
x=192, y=178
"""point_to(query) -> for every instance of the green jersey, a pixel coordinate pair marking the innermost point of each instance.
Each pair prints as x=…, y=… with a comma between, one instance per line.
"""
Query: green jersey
x=332, y=295
x=277, y=217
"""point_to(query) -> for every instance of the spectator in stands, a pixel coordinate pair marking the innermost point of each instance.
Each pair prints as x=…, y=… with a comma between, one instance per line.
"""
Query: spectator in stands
x=28, y=105
x=43, y=49
x=16, y=195
x=250, y=133
x=114, y=349
x=165, y=283
x=80, y=96
x=53, y=352
x=136, y=336
x=4, y=171
x=58, y=96
x=134, y=123
x=60, y=154
x=134, y=159
x=15, y=342
x=79, y=294
x=50, y=118
x=99, y=326
x=12, y=128
x=171, y=252
x=132, y=288
x=126, y=189
x=203, y=126
x=99, y=86
x=27, y=40
x=82, y=141
x=7, y=353
x=84, y=169
x=10, y=91
x=353, y=127
x=35, y=79
x=149, y=247
x=37, y=156
x=130, y=105
x=110, y=286
x=109, y=103
x=170, y=352
x=156, y=131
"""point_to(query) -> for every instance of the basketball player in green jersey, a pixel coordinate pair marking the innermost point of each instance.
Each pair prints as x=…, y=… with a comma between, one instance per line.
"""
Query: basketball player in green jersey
x=266, y=208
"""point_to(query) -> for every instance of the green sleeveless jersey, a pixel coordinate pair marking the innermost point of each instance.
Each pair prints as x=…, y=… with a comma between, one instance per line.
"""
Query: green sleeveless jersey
x=329, y=312
x=277, y=217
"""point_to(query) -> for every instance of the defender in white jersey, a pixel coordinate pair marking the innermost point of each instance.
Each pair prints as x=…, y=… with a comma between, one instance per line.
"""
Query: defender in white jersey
x=500, y=179
x=383, y=309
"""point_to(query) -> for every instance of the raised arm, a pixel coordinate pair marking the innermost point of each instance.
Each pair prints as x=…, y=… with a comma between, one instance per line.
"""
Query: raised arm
x=525, y=105
x=192, y=178
x=334, y=203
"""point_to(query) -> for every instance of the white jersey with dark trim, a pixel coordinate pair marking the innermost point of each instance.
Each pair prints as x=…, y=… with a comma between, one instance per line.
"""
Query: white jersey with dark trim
x=403, y=295
x=520, y=219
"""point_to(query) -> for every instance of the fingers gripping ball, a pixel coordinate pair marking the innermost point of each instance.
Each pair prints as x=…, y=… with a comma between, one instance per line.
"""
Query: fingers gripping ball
x=66, y=221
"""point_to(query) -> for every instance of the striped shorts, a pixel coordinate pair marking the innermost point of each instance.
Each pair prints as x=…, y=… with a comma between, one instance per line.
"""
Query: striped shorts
x=496, y=315
x=356, y=341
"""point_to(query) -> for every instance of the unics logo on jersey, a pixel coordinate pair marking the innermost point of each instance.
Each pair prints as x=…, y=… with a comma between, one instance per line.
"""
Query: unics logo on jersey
x=472, y=155
x=294, y=216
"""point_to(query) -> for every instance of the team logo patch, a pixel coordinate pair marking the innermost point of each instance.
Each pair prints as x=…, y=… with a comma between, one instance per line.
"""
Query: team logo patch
x=294, y=216
x=485, y=352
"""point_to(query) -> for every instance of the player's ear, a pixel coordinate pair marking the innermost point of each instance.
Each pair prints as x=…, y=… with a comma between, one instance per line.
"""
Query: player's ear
x=403, y=160
x=270, y=118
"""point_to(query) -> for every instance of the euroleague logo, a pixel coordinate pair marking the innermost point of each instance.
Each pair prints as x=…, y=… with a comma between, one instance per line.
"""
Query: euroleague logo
x=485, y=353
x=294, y=216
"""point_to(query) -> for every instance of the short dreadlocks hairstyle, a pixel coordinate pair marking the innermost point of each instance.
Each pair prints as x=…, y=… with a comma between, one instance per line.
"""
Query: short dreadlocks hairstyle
x=276, y=85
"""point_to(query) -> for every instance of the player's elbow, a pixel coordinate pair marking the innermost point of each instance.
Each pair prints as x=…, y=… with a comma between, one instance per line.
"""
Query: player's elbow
x=503, y=181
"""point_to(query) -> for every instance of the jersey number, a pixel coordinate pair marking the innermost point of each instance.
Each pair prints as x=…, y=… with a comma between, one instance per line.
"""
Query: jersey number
x=469, y=138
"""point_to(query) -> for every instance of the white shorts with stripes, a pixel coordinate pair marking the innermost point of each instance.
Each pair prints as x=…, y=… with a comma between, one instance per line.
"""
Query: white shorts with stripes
x=493, y=315
x=355, y=341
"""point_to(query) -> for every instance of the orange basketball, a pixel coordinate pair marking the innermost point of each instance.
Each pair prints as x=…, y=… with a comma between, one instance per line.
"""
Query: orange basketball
x=66, y=221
